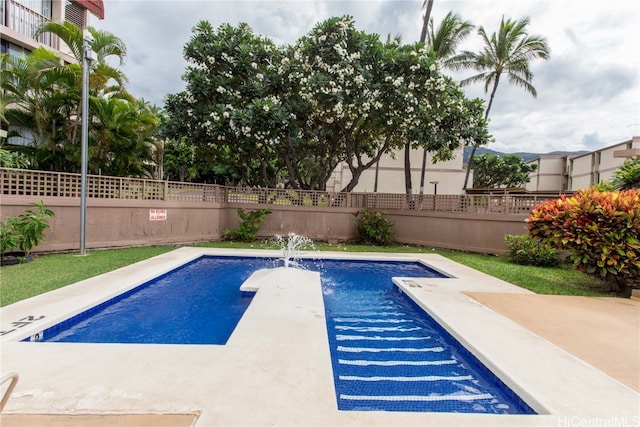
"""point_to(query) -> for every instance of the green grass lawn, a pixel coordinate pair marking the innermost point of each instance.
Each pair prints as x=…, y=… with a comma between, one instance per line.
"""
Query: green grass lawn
x=53, y=271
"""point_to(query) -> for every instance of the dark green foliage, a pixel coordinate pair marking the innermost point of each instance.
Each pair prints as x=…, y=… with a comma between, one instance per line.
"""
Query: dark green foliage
x=374, y=228
x=525, y=250
x=249, y=225
x=493, y=171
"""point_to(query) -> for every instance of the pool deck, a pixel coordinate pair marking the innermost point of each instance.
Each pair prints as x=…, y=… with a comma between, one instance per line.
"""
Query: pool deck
x=575, y=360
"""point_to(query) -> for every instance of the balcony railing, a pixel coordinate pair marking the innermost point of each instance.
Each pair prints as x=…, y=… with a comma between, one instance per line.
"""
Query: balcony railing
x=25, y=21
x=22, y=182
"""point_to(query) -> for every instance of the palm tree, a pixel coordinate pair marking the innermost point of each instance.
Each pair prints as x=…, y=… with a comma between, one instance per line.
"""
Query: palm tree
x=104, y=79
x=103, y=43
x=121, y=137
x=444, y=40
x=426, y=6
x=627, y=176
x=38, y=96
x=444, y=43
x=507, y=52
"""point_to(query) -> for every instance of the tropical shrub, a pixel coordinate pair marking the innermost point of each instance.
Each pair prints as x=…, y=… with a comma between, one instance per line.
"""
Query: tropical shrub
x=600, y=231
x=24, y=231
x=12, y=159
x=374, y=228
x=525, y=250
x=249, y=225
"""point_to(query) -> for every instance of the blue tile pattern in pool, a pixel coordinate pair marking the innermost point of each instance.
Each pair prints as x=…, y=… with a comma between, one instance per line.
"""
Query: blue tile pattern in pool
x=389, y=355
x=197, y=303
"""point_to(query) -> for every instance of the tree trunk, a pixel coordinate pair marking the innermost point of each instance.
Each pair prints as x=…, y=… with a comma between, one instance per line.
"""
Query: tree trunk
x=423, y=172
x=469, y=167
x=407, y=168
x=475, y=146
x=425, y=20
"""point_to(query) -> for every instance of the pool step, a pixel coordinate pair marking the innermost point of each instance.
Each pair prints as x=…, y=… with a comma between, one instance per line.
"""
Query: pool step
x=388, y=361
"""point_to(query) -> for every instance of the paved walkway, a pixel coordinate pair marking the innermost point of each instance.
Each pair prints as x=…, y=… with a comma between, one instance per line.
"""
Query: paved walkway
x=122, y=420
x=604, y=332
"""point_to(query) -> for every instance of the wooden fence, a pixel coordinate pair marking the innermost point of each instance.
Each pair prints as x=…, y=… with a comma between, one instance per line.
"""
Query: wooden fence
x=21, y=182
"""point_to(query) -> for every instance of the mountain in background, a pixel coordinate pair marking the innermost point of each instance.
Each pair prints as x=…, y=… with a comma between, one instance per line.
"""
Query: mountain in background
x=525, y=156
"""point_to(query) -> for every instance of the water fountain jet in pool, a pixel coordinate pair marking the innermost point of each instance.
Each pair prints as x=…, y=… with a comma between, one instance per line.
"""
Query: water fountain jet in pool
x=290, y=247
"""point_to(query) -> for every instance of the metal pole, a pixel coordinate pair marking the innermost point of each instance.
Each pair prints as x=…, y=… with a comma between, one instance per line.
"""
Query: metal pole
x=85, y=143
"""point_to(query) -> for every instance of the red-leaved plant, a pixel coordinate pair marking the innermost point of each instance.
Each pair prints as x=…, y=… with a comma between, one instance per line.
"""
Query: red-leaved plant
x=599, y=229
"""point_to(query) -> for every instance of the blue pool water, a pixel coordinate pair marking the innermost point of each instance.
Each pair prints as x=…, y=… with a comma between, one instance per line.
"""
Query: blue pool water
x=387, y=353
x=198, y=303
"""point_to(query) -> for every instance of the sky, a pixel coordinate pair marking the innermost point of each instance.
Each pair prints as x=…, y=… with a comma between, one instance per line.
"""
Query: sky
x=588, y=91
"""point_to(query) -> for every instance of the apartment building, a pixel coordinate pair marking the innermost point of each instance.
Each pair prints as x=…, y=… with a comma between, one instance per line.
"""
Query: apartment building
x=388, y=177
x=571, y=173
x=20, y=18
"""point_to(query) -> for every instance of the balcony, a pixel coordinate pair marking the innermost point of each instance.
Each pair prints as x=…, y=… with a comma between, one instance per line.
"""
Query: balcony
x=24, y=21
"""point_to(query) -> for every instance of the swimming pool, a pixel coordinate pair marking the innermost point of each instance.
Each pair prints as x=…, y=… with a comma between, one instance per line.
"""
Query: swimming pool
x=372, y=331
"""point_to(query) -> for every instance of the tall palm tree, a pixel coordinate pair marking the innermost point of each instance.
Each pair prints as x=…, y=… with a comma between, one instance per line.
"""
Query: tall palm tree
x=427, y=5
x=444, y=42
x=105, y=44
x=104, y=79
x=507, y=52
x=106, y=90
x=38, y=95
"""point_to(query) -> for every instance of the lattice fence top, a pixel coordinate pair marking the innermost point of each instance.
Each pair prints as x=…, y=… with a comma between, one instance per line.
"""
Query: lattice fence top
x=22, y=182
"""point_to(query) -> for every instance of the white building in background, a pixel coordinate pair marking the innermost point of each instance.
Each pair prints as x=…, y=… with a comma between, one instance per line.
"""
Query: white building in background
x=441, y=178
x=555, y=173
x=571, y=173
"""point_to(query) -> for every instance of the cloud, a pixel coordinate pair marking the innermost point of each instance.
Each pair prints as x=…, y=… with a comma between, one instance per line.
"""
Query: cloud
x=592, y=141
x=588, y=91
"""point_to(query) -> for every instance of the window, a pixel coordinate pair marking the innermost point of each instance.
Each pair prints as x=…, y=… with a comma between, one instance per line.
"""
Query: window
x=12, y=49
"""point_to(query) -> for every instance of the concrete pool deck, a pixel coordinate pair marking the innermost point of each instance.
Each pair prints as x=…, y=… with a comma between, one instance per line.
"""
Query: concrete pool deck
x=276, y=367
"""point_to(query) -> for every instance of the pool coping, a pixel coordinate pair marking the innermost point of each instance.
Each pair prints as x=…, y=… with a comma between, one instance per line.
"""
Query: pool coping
x=252, y=381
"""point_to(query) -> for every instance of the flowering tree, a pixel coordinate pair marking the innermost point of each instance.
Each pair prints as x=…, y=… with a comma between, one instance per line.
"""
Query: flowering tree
x=294, y=113
x=365, y=98
x=229, y=109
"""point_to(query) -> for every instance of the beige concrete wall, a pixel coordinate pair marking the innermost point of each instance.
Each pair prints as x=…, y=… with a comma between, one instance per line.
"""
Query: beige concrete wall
x=326, y=224
x=559, y=173
x=468, y=232
x=600, y=165
x=121, y=223
x=450, y=175
x=550, y=174
x=581, y=171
